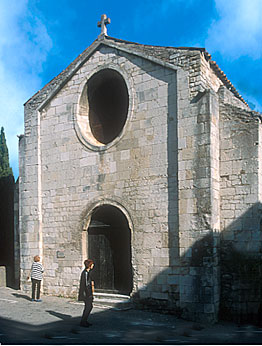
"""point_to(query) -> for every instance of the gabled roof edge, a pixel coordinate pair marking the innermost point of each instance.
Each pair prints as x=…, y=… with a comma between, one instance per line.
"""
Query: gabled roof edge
x=148, y=57
x=62, y=78
x=89, y=51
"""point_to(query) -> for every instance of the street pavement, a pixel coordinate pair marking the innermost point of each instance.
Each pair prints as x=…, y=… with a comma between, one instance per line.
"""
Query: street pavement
x=55, y=321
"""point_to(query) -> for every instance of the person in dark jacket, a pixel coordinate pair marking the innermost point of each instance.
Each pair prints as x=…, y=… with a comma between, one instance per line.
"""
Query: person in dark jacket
x=86, y=291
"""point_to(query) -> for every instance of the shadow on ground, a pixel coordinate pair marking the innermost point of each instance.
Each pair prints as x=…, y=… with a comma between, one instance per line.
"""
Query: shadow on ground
x=123, y=327
x=59, y=315
x=23, y=296
x=109, y=327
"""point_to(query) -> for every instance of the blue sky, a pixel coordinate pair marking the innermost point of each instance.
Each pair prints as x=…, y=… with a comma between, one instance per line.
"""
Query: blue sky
x=40, y=38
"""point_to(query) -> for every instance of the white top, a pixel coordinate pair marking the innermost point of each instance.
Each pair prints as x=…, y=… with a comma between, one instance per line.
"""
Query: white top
x=37, y=271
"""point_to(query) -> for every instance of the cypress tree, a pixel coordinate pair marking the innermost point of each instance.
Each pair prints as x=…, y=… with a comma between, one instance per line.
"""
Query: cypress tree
x=5, y=169
x=6, y=211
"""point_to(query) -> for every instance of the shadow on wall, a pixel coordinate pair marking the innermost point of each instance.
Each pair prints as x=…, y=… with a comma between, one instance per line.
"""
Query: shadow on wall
x=241, y=268
x=220, y=276
x=189, y=286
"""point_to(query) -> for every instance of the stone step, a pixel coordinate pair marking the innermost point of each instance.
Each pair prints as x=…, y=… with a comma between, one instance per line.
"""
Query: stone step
x=110, y=300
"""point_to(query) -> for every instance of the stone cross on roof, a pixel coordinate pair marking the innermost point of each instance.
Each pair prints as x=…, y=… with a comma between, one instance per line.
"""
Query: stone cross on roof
x=102, y=24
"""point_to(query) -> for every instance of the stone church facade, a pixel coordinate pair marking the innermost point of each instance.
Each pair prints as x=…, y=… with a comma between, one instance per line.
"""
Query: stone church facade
x=148, y=160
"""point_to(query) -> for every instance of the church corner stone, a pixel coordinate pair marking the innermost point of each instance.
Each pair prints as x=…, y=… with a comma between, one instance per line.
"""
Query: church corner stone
x=145, y=161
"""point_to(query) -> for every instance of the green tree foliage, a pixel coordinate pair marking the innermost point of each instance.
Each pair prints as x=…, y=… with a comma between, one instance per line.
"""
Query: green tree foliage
x=5, y=169
x=6, y=210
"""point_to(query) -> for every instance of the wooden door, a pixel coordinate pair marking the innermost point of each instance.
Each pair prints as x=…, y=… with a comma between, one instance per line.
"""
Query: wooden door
x=99, y=250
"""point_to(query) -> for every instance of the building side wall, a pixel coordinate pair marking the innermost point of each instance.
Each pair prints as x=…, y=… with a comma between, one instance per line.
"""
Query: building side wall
x=240, y=213
x=16, y=236
x=239, y=172
x=29, y=196
x=198, y=168
x=209, y=80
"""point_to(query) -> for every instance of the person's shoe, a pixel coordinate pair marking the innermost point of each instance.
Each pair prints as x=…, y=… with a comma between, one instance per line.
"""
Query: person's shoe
x=38, y=300
x=84, y=325
x=32, y=300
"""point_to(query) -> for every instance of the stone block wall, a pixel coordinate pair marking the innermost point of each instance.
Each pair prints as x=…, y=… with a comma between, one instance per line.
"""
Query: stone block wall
x=2, y=276
x=29, y=196
x=16, y=237
x=135, y=173
x=239, y=173
x=198, y=167
x=240, y=196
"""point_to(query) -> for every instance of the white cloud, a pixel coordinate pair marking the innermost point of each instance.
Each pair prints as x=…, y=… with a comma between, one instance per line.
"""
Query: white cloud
x=238, y=30
x=24, y=45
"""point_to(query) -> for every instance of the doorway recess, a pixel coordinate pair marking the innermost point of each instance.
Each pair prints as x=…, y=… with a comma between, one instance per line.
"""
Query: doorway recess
x=109, y=245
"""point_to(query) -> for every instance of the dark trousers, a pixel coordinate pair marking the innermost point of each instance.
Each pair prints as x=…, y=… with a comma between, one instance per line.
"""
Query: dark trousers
x=36, y=285
x=88, y=307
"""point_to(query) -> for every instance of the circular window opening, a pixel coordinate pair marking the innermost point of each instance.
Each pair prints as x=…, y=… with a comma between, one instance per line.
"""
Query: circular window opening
x=108, y=101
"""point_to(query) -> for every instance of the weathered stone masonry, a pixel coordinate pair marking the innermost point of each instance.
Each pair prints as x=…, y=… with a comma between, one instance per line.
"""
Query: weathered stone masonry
x=182, y=172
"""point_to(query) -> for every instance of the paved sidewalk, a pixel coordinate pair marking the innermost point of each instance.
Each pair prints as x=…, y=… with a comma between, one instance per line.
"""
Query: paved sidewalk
x=56, y=321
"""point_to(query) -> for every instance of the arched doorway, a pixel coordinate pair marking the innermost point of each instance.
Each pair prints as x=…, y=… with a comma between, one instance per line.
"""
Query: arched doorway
x=109, y=245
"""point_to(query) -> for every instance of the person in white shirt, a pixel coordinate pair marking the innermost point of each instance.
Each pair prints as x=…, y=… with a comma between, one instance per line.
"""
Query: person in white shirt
x=36, y=278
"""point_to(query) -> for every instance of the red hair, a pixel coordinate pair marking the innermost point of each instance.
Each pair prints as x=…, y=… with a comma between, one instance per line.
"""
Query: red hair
x=88, y=263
